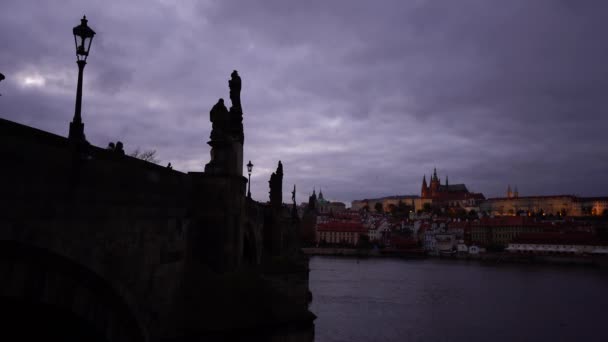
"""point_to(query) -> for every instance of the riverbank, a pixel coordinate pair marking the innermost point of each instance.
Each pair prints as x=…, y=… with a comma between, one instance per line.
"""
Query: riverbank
x=386, y=252
x=566, y=260
x=487, y=258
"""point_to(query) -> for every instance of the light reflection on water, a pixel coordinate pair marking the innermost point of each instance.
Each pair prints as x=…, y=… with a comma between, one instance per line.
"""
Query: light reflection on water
x=439, y=300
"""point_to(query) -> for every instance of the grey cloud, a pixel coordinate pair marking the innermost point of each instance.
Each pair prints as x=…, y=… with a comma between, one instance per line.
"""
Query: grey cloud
x=361, y=98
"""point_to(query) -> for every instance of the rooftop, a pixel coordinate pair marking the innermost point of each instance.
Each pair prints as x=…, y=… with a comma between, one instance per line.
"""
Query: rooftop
x=335, y=226
x=396, y=197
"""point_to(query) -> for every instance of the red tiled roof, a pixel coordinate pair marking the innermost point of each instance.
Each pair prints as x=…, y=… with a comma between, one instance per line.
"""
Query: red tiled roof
x=341, y=227
x=507, y=221
x=350, y=216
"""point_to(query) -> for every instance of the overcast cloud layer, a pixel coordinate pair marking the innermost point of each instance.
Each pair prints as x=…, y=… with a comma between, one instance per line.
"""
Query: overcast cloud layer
x=359, y=98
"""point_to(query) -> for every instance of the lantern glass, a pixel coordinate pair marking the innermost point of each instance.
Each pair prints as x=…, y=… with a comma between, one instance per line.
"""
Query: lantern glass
x=249, y=167
x=83, y=37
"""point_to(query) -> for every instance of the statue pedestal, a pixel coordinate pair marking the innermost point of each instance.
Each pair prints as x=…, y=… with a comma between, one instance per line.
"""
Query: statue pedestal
x=226, y=158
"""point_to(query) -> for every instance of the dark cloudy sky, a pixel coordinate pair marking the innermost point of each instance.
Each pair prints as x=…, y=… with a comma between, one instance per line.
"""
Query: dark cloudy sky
x=360, y=98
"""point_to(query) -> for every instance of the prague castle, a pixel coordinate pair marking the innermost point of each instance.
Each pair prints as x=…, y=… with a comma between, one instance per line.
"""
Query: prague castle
x=434, y=194
x=457, y=196
x=446, y=195
x=559, y=205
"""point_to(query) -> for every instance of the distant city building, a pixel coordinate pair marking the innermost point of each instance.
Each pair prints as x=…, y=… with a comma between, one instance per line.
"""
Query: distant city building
x=594, y=206
x=325, y=206
x=558, y=243
x=449, y=195
x=433, y=195
x=336, y=232
x=512, y=193
x=455, y=199
x=308, y=220
x=531, y=205
x=445, y=242
x=387, y=202
x=502, y=230
x=378, y=228
x=317, y=211
x=557, y=205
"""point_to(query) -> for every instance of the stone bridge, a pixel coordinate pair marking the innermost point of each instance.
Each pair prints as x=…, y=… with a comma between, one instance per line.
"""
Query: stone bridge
x=98, y=245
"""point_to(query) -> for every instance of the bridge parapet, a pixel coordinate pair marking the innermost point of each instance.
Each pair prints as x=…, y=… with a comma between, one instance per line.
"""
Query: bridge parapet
x=161, y=239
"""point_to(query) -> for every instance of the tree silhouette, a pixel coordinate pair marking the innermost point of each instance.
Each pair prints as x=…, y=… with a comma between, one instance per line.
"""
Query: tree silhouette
x=149, y=156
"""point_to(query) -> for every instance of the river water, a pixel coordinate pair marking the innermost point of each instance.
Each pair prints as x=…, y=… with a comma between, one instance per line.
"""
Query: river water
x=379, y=299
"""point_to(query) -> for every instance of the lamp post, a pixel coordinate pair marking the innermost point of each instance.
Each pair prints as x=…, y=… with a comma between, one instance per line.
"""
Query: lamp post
x=249, y=168
x=83, y=36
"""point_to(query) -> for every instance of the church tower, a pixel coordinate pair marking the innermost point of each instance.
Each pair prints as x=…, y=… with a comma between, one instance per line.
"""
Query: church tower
x=424, y=193
x=509, y=192
x=434, y=183
x=312, y=200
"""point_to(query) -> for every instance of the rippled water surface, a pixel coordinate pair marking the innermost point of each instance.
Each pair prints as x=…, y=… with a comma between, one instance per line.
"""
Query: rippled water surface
x=436, y=300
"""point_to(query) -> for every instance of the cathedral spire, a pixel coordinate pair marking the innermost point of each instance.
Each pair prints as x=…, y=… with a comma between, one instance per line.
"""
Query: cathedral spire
x=447, y=184
x=425, y=189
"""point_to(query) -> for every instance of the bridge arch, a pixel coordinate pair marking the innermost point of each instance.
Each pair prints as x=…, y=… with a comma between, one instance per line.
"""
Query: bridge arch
x=44, y=295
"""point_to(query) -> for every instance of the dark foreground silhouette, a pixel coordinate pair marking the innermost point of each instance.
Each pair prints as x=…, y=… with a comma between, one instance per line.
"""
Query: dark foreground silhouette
x=120, y=249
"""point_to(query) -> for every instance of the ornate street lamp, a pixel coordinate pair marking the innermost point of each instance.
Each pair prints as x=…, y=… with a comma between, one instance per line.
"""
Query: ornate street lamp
x=249, y=168
x=83, y=36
